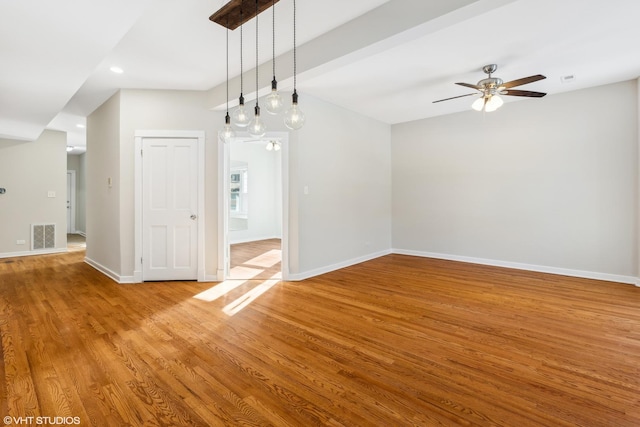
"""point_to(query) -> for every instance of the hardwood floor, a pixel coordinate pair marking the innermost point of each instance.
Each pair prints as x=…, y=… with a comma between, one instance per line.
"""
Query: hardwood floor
x=396, y=341
x=76, y=242
x=256, y=260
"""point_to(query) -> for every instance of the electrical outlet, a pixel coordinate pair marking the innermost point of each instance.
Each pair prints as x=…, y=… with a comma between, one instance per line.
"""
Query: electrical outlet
x=21, y=242
x=51, y=194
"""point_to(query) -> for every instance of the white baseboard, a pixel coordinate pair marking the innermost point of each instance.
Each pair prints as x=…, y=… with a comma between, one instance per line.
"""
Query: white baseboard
x=521, y=266
x=333, y=267
x=109, y=273
x=137, y=278
x=32, y=253
x=82, y=233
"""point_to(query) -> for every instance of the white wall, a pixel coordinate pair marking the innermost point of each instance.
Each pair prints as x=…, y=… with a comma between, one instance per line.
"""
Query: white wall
x=264, y=217
x=28, y=171
x=81, y=194
x=102, y=199
x=551, y=182
x=167, y=110
x=343, y=159
x=638, y=193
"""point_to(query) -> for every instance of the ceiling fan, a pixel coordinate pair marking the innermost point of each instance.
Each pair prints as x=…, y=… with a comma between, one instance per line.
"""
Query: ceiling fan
x=491, y=87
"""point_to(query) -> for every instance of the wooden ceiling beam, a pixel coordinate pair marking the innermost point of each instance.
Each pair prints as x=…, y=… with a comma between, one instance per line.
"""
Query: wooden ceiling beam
x=237, y=12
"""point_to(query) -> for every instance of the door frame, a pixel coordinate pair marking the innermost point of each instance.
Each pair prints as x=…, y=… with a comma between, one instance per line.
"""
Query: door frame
x=224, y=167
x=71, y=174
x=140, y=135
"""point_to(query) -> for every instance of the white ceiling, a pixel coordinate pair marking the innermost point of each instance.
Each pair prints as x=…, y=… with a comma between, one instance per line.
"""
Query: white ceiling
x=388, y=59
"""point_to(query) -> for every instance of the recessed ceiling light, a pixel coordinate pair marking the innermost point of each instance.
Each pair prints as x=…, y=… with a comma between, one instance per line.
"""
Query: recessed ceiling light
x=80, y=125
x=117, y=70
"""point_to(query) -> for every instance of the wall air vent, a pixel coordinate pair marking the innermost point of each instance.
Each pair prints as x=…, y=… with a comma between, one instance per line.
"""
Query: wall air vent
x=43, y=236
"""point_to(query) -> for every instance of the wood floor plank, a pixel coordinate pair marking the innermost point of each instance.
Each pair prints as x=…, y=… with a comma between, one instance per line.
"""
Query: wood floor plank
x=394, y=341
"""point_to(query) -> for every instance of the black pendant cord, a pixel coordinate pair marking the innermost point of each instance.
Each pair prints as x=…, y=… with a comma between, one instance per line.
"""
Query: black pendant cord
x=227, y=118
x=273, y=40
x=295, y=53
x=257, y=106
x=241, y=64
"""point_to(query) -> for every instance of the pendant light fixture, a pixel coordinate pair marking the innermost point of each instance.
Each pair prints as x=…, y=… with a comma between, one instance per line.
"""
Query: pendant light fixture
x=257, y=127
x=227, y=132
x=274, y=103
x=294, y=117
x=487, y=103
x=240, y=116
x=273, y=145
x=232, y=16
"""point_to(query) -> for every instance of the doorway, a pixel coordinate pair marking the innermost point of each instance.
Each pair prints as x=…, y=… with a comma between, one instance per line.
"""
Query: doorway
x=169, y=186
x=71, y=202
x=253, y=207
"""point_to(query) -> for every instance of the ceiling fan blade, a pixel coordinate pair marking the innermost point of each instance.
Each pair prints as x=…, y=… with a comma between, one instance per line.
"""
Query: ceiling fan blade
x=470, y=85
x=523, y=81
x=527, y=93
x=454, y=97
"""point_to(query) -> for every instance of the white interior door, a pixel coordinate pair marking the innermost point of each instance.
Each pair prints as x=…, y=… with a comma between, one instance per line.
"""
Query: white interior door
x=169, y=209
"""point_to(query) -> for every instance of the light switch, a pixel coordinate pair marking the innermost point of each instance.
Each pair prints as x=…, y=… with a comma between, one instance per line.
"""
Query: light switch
x=51, y=194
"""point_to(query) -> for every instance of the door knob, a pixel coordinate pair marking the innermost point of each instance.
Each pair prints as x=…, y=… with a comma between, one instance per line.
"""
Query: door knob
x=194, y=217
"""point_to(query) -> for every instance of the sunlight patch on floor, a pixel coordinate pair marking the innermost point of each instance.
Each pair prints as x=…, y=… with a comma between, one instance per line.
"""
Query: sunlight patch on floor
x=247, y=275
x=219, y=290
x=249, y=297
x=242, y=272
x=267, y=259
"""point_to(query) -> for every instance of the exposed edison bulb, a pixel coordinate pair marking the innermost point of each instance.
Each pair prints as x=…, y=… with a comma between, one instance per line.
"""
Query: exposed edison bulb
x=274, y=104
x=478, y=104
x=257, y=127
x=240, y=116
x=294, y=117
x=493, y=103
x=227, y=132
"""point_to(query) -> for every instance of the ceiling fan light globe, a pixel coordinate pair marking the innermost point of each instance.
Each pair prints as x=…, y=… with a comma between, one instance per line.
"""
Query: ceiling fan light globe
x=497, y=101
x=478, y=104
x=493, y=104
